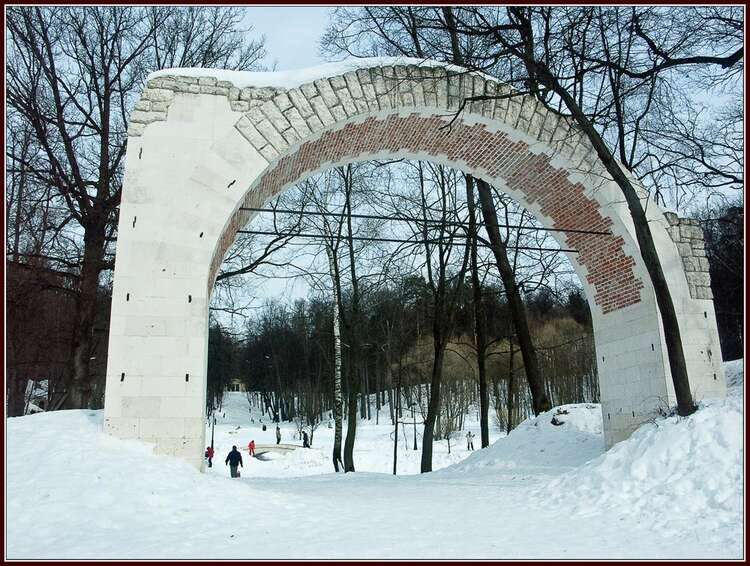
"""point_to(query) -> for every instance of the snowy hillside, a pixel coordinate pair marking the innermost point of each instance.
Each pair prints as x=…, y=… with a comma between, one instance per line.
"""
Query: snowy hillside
x=670, y=473
x=673, y=490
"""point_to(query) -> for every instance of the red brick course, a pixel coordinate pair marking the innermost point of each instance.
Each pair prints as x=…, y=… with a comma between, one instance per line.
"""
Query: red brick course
x=609, y=268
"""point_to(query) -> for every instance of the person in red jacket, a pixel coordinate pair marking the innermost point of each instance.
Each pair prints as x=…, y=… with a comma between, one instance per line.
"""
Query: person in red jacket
x=209, y=455
x=251, y=448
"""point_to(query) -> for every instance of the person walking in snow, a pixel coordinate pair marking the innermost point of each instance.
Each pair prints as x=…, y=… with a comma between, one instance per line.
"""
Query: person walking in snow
x=470, y=440
x=305, y=440
x=278, y=434
x=234, y=459
x=251, y=448
x=209, y=455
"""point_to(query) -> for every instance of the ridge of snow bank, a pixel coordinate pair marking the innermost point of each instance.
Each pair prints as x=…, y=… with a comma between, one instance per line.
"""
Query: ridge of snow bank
x=537, y=444
x=693, y=465
x=294, y=78
x=678, y=475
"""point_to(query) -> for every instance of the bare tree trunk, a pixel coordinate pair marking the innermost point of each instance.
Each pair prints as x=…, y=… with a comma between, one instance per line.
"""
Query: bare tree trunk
x=367, y=391
x=351, y=425
x=80, y=387
x=540, y=400
x=395, y=425
x=351, y=422
x=19, y=196
x=442, y=327
x=480, y=329
x=363, y=391
x=378, y=392
x=433, y=409
x=337, y=398
x=510, y=421
x=16, y=391
x=675, y=352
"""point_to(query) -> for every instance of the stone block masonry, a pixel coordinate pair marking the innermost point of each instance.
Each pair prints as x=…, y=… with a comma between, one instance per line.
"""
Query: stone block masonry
x=687, y=233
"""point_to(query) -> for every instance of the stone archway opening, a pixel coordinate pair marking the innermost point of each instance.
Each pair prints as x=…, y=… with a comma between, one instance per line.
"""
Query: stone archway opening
x=556, y=335
x=205, y=145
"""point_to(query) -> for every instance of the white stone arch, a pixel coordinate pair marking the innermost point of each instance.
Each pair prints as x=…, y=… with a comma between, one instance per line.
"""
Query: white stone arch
x=201, y=147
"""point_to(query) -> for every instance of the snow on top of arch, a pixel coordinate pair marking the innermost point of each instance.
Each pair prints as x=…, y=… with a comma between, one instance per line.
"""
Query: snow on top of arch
x=297, y=77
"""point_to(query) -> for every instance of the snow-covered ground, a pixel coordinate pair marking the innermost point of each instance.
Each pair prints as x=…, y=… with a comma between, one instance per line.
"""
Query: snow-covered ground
x=373, y=450
x=673, y=490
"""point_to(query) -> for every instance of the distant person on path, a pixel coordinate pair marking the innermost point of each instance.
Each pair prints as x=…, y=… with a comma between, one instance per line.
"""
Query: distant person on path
x=251, y=448
x=305, y=440
x=234, y=459
x=209, y=455
x=278, y=434
x=470, y=440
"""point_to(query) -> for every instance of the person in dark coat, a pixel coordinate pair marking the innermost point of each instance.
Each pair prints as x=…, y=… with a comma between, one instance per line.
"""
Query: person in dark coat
x=234, y=459
x=278, y=434
x=305, y=440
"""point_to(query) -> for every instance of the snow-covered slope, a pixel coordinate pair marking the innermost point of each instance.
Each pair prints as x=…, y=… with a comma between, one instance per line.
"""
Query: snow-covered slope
x=538, y=446
x=734, y=372
x=673, y=490
x=670, y=473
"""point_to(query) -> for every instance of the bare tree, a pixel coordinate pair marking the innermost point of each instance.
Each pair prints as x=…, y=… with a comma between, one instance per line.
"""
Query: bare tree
x=444, y=295
x=73, y=75
x=519, y=41
x=332, y=238
x=517, y=309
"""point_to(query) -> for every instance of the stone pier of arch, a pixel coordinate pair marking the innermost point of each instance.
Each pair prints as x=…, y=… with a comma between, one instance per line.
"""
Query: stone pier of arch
x=203, y=143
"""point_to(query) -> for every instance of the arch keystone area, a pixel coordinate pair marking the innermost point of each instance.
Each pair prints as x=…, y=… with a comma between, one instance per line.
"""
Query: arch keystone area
x=204, y=144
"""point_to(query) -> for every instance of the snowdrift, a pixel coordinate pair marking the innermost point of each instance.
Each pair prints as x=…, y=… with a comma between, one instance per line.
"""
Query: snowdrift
x=537, y=445
x=669, y=473
x=734, y=372
x=692, y=465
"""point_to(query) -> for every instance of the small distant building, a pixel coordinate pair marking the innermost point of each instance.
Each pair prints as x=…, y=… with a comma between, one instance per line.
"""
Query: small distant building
x=236, y=385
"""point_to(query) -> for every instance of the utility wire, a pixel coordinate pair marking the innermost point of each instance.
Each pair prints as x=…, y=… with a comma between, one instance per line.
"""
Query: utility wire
x=406, y=219
x=394, y=240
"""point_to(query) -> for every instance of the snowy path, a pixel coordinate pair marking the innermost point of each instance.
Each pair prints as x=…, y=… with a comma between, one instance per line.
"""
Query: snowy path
x=543, y=492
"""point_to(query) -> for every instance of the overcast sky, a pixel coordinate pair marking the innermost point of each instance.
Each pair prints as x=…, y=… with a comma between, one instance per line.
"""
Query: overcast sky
x=292, y=33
